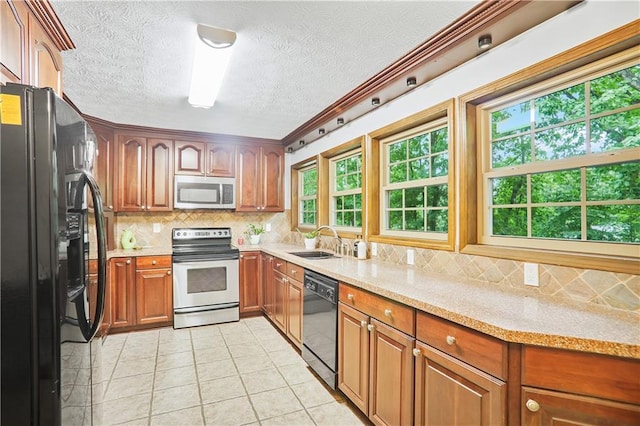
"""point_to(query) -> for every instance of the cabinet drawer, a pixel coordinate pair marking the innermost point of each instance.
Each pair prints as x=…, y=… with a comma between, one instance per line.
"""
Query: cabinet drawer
x=387, y=311
x=582, y=373
x=294, y=271
x=151, y=262
x=483, y=352
x=280, y=265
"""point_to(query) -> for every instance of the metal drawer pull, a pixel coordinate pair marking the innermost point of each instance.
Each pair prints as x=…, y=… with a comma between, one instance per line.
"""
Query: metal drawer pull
x=416, y=352
x=363, y=323
x=350, y=296
x=128, y=261
x=451, y=340
x=532, y=405
x=370, y=327
x=278, y=264
x=293, y=272
x=168, y=272
x=387, y=312
x=153, y=262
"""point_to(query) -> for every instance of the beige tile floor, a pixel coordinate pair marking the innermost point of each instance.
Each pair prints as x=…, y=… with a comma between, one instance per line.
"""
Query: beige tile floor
x=227, y=374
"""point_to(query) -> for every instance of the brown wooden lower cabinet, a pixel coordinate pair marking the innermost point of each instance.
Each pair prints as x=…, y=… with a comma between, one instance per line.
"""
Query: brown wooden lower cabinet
x=375, y=367
x=449, y=391
x=250, y=282
x=543, y=407
x=154, y=296
x=294, y=311
x=141, y=291
x=266, y=272
x=280, y=300
x=93, y=296
x=122, y=291
x=570, y=387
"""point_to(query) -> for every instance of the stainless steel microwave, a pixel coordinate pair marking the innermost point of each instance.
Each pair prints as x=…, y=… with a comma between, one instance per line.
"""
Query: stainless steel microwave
x=198, y=192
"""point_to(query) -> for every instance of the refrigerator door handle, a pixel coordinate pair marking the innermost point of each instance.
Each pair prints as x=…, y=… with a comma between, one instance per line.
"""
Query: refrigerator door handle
x=90, y=331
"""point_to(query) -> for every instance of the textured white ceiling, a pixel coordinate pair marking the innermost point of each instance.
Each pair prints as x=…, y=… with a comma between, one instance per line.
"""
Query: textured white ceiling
x=132, y=62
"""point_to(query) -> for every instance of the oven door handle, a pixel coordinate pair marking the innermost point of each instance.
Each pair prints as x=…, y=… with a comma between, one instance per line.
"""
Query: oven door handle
x=205, y=308
x=203, y=258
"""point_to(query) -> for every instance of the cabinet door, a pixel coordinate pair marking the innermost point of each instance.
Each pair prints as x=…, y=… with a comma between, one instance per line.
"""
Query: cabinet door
x=294, y=307
x=250, y=285
x=93, y=297
x=122, y=286
x=154, y=296
x=449, y=391
x=13, y=51
x=353, y=356
x=249, y=181
x=103, y=169
x=221, y=160
x=390, y=376
x=272, y=179
x=542, y=407
x=266, y=273
x=159, y=191
x=131, y=177
x=189, y=158
x=46, y=61
x=280, y=301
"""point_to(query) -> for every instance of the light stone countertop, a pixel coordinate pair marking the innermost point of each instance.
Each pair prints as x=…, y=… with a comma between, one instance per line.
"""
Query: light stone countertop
x=509, y=314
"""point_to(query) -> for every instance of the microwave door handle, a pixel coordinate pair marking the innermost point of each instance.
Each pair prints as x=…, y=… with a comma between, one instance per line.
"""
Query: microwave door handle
x=89, y=331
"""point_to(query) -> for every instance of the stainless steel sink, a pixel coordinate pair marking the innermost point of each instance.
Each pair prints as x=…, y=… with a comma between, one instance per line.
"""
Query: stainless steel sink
x=314, y=254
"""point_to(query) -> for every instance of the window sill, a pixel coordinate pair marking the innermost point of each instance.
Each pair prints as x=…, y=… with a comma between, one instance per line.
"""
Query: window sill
x=627, y=265
x=412, y=242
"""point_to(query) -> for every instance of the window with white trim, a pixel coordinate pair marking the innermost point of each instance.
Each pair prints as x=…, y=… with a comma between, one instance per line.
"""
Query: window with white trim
x=345, y=191
x=307, y=195
x=561, y=163
x=414, y=182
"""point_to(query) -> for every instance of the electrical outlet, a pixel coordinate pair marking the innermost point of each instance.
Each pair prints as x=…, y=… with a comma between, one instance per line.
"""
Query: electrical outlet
x=531, y=274
x=156, y=228
x=374, y=249
x=267, y=227
x=410, y=257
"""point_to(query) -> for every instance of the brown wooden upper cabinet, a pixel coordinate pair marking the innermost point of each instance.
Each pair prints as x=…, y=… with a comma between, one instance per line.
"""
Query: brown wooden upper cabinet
x=221, y=160
x=13, y=52
x=45, y=58
x=144, y=180
x=205, y=159
x=260, y=178
x=30, y=50
x=103, y=167
x=189, y=158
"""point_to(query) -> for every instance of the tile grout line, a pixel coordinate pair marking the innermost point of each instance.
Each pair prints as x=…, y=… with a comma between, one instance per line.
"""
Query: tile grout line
x=195, y=368
x=153, y=381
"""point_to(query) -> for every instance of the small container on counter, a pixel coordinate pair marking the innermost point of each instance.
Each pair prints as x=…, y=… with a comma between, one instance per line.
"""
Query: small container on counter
x=362, y=250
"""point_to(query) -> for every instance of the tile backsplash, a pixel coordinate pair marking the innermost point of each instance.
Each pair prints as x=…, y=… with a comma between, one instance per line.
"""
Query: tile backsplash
x=615, y=290
x=142, y=225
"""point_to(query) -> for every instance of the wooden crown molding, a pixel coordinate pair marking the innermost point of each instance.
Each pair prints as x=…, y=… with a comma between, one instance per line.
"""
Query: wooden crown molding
x=49, y=20
x=479, y=18
x=176, y=134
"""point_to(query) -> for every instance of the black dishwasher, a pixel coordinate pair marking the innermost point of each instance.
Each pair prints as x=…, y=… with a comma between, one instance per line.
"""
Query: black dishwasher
x=320, y=325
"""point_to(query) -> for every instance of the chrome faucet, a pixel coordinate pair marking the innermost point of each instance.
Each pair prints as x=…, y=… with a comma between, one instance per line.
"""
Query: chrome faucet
x=337, y=247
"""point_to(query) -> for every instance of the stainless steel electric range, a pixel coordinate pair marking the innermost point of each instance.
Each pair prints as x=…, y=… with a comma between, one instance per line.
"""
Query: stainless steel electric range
x=206, y=287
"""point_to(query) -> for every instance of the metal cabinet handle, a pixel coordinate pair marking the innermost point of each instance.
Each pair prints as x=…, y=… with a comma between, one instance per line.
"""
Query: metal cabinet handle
x=142, y=207
x=293, y=272
x=242, y=256
x=363, y=323
x=168, y=272
x=111, y=207
x=153, y=262
x=350, y=296
x=128, y=262
x=370, y=327
x=451, y=340
x=278, y=264
x=387, y=312
x=532, y=405
x=416, y=352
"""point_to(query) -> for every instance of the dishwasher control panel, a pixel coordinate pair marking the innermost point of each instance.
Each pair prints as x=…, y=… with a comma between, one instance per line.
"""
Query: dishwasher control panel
x=324, y=287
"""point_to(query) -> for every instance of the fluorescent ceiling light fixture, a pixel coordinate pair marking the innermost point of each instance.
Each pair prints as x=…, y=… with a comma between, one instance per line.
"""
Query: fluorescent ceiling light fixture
x=213, y=52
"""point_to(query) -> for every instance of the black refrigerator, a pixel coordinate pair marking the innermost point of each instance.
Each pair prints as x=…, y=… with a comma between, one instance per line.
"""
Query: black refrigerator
x=52, y=224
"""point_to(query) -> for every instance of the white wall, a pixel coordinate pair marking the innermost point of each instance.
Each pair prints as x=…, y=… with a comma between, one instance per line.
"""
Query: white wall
x=571, y=28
